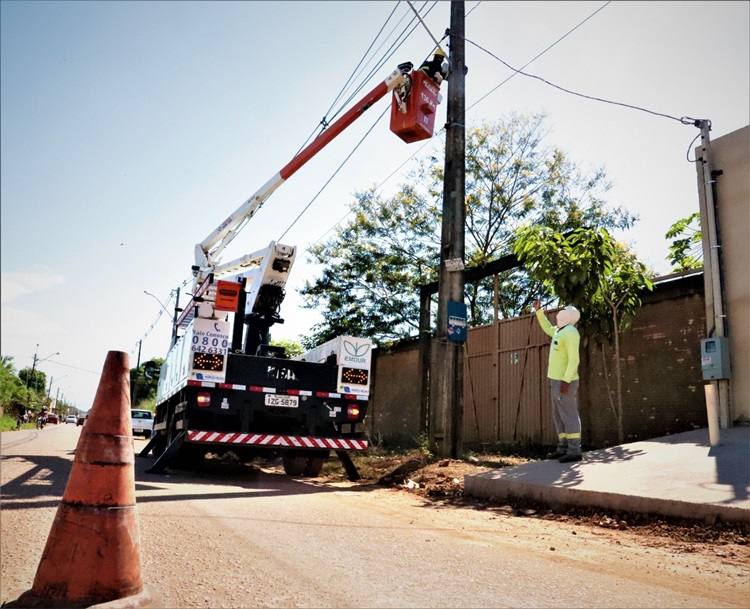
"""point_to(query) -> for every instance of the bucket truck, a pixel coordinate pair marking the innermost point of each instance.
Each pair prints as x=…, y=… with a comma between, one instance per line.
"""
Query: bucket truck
x=223, y=387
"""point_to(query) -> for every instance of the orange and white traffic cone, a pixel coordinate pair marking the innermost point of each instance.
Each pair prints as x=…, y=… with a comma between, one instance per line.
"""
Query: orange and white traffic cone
x=92, y=554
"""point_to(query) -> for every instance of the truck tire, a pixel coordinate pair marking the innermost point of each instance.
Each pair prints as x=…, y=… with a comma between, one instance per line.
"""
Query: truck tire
x=294, y=463
x=314, y=466
x=188, y=457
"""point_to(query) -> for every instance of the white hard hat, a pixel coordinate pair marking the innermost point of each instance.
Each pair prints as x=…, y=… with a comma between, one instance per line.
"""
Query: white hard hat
x=568, y=316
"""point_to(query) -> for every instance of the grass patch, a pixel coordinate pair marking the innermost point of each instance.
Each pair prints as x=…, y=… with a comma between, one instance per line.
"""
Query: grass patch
x=8, y=423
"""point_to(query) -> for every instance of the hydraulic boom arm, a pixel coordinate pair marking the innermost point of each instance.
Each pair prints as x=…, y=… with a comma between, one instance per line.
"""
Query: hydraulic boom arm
x=206, y=257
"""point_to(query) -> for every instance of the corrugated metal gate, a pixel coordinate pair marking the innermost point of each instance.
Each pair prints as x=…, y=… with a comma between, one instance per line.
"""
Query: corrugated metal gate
x=506, y=393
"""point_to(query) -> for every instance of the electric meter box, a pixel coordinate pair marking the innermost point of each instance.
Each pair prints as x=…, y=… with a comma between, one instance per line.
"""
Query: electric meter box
x=715, y=358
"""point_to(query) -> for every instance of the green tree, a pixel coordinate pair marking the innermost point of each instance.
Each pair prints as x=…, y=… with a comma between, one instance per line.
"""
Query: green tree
x=291, y=347
x=590, y=270
x=12, y=389
x=374, y=264
x=142, y=388
x=686, y=248
x=35, y=380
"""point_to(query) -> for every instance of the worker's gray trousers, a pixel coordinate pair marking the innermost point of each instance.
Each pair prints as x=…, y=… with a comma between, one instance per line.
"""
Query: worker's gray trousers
x=565, y=416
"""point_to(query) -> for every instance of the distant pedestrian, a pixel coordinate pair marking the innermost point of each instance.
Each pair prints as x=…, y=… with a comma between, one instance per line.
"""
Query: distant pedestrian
x=562, y=371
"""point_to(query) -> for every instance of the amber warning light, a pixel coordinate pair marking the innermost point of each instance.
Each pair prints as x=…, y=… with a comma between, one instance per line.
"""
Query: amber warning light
x=354, y=376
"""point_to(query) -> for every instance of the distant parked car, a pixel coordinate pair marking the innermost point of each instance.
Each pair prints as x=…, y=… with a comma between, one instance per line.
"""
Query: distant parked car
x=52, y=418
x=143, y=422
x=71, y=418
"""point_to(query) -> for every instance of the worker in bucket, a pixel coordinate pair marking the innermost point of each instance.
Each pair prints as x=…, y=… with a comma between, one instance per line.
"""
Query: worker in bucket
x=562, y=371
x=437, y=67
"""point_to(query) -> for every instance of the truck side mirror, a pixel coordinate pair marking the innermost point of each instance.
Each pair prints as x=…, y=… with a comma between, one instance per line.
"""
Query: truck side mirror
x=151, y=370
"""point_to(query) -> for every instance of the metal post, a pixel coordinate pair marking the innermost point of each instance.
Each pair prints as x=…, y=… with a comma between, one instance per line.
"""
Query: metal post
x=33, y=367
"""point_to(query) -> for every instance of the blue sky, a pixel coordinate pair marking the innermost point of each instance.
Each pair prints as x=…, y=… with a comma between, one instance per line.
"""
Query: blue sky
x=130, y=130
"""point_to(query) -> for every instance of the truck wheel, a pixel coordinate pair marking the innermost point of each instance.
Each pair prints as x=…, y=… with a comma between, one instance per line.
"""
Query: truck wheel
x=313, y=466
x=294, y=464
x=147, y=434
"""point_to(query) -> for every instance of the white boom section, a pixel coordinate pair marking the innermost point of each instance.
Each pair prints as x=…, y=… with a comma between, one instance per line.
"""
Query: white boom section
x=205, y=257
x=226, y=231
x=269, y=266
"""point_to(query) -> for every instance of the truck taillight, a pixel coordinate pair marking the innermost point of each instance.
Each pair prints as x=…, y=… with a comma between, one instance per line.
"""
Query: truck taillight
x=204, y=399
x=352, y=412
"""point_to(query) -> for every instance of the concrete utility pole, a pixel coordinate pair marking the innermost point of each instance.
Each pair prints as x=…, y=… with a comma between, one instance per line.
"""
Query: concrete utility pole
x=717, y=391
x=447, y=382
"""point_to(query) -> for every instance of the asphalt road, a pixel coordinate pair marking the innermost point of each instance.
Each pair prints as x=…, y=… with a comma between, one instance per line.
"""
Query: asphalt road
x=242, y=537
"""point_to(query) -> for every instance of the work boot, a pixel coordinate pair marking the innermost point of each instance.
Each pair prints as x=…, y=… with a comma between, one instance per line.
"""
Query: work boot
x=570, y=458
x=560, y=451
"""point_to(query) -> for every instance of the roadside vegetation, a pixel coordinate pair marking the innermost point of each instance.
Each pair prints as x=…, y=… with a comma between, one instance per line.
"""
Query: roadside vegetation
x=8, y=423
x=25, y=392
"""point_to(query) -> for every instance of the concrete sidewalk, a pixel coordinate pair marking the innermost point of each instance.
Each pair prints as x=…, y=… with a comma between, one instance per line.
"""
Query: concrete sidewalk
x=679, y=475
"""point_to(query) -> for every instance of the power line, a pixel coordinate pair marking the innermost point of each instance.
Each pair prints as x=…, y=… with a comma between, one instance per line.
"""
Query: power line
x=74, y=367
x=591, y=97
x=333, y=175
x=362, y=84
x=397, y=43
x=554, y=44
x=442, y=130
x=324, y=122
x=328, y=117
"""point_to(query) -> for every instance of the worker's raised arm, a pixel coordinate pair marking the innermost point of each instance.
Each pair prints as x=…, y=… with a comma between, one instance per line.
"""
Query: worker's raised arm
x=542, y=319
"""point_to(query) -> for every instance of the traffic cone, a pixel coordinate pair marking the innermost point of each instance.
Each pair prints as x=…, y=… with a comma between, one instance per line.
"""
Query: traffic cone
x=92, y=554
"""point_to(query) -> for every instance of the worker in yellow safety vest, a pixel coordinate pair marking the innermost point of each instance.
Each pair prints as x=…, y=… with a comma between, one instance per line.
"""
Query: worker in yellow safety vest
x=562, y=371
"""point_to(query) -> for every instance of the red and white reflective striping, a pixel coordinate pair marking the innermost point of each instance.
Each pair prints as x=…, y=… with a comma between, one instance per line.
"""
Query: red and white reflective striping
x=257, y=389
x=215, y=437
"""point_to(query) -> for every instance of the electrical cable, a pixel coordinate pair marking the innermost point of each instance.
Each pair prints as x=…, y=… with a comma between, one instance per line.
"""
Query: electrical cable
x=558, y=41
x=591, y=97
x=442, y=130
x=74, y=367
x=381, y=62
x=437, y=44
x=386, y=56
x=690, y=145
x=325, y=121
x=354, y=72
x=328, y=117
x=390, y=52
x=334, y=173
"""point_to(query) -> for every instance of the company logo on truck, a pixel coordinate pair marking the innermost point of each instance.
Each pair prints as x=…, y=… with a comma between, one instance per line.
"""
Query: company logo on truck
x=356, y=352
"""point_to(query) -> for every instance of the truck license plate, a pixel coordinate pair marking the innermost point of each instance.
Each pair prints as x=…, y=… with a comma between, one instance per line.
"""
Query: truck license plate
x=285, y=401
